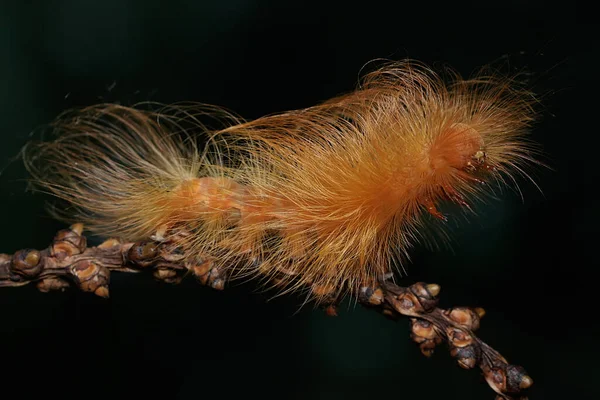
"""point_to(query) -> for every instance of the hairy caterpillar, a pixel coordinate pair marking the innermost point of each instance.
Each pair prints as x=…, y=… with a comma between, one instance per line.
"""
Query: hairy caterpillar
x=327, y=198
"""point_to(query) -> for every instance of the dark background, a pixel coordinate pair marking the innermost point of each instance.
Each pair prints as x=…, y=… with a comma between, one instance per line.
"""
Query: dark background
x=528, y=262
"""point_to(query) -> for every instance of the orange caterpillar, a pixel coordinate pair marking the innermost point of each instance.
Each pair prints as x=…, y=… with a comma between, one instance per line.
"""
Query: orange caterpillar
x=328, y=198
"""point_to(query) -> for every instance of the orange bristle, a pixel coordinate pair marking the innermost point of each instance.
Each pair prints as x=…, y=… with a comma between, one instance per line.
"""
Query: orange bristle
x=325, y=197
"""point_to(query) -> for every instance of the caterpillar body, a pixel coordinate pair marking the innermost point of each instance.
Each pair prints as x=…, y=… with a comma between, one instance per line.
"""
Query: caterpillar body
x=327, y=198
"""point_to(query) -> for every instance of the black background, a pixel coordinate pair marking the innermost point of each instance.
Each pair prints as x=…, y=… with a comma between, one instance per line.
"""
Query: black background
x=528, y=261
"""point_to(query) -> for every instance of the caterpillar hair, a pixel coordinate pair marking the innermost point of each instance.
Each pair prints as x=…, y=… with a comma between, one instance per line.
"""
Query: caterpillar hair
x=326, y=199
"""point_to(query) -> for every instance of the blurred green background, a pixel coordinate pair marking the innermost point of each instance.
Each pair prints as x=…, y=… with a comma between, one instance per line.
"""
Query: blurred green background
x=524, y=260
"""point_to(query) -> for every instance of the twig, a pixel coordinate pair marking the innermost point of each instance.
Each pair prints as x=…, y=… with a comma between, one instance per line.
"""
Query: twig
x=431, y=325
x=68, y=261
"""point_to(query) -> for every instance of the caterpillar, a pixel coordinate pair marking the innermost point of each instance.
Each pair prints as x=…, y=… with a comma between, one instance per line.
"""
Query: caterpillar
x=325, y=199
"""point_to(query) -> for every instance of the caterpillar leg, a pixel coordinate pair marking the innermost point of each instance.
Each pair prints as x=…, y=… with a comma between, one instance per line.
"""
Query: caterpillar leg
x=455, y=197
x=431, y=208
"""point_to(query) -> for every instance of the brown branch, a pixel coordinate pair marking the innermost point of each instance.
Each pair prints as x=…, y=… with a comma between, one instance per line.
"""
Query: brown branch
x=431, y=325
x=69, y=262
